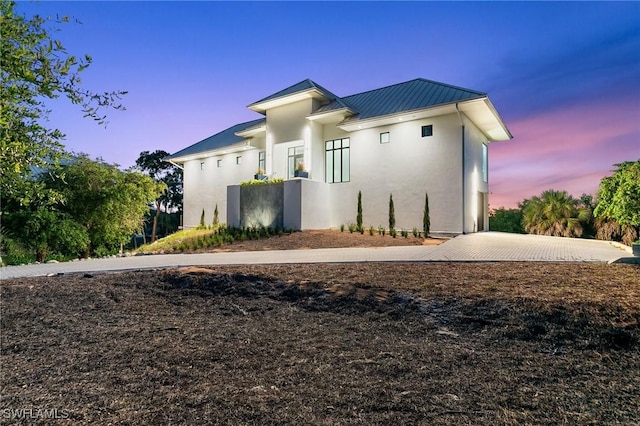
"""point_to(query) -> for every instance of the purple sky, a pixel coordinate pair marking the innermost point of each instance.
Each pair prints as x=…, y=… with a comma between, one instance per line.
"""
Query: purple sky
x=565, y=77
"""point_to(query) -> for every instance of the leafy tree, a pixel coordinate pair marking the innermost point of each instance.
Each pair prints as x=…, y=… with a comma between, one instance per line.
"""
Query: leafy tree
x=618, y=207
x=35, y=68
x=110, y=204
x=619, y=195
x=46, y=231
x=554, y=213
x=392, y=214
x=506, y=220
x=359, y=215
x=153, y=164
x=426, y=220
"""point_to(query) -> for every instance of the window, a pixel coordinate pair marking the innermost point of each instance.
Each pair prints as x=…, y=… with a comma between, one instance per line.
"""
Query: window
x=262, y=164
x=296, y=156
x=238, y=160
x=219, y=163
x=384, y=137
x=485, y=163
x=337, y=161
x=202, y=165
x=427, y=130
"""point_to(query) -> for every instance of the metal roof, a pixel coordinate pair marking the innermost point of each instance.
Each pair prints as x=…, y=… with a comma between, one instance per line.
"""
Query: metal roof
x=408, y=96
x=303, y=86
x=219, y=140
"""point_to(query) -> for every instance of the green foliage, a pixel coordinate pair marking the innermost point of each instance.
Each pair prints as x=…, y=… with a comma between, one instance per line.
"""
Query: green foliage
x=393, y=232
x=45, y=232
x=216, y=219
x=619, y=195
x=352, y=228
x=426, y=220
x=415, y=232
x=35, y=69
x=262, y=181
x=202, y=224
x=381, y=230
x=506, y=220
x=404, y=233
x=108, y=203
x=153, y=164
x=342, y=227
x=371, y=230
x=554, y=213
x=359, y=215
x=392, y=214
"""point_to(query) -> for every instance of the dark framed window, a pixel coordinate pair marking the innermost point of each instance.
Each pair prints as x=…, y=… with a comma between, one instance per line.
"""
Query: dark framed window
x=262, y=163
x=337, y=159
x=427, y=130
x=239, y=160
x=219, y=163
x=296, y=157
x=385, y=137
x=202, y=165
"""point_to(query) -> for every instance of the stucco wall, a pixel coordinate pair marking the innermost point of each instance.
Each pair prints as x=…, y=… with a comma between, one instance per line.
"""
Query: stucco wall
x=407, y=167
x=474, y=183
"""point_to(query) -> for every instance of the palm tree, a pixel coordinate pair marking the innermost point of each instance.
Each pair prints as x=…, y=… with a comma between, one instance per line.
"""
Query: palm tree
x=554, y=213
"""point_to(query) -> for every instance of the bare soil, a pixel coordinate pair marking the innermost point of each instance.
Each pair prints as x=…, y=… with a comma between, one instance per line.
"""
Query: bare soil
x=373, y=343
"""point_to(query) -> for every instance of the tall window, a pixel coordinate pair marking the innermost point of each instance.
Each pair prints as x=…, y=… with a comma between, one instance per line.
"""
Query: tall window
x=296, y=156
x=262, y=164
x=337, y=161
x=485, y=163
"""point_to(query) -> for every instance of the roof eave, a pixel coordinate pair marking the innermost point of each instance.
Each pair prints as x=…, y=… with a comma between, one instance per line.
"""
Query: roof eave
x=228, y=149
x=311, y=93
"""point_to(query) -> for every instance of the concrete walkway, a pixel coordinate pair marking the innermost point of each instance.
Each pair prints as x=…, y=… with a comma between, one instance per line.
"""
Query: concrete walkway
x=484, y=246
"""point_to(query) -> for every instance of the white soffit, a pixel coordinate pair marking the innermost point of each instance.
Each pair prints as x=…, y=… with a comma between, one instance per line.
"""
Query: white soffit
x=252, y=131
x=485, y=116
x=353, y=125
x=330, y=117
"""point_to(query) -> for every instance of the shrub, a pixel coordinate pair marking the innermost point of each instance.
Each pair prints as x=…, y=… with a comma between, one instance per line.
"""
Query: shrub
x=381, y=230
x=426, y=220
x=202, y=225
x=415, y=232
x=404, y=233
x=359, y=216
x=506, y=220
x=371, y=230
x=342, y=227
x=392, y=214
x=392, y=232
x=216, y=221
x=352, y=228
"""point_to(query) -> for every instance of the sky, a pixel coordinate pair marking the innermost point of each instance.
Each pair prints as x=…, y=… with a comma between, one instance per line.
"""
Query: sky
x=564, y=76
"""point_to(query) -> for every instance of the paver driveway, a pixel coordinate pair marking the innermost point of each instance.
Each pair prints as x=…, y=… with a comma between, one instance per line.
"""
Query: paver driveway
x=484, y=246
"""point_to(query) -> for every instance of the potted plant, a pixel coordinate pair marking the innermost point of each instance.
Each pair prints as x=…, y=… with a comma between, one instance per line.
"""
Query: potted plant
x=260, y=175
x=635, y=248
x=300, y=171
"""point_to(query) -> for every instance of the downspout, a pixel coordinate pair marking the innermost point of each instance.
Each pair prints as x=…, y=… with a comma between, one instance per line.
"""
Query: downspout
x=463, y=166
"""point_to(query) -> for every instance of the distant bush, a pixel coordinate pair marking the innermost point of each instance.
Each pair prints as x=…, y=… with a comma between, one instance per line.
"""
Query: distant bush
x=506, y=220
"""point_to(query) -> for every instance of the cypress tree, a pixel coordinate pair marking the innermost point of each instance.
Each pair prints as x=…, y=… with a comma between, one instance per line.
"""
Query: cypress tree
x=426, y=221
x=215, y=216
x=202, y=225
x=392, y=214
x=359, y=216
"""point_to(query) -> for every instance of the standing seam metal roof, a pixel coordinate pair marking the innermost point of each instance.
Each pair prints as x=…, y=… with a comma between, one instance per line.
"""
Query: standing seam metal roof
x=219, y=140
x=408, y=96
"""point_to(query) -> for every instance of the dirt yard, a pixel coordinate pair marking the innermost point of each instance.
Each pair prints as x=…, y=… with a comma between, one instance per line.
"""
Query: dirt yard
x=436, y=344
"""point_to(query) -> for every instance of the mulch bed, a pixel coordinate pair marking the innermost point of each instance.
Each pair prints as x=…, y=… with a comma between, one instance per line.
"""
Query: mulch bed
x=373, y=343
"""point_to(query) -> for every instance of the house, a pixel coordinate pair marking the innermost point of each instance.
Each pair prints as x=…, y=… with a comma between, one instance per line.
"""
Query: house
x=404, y=140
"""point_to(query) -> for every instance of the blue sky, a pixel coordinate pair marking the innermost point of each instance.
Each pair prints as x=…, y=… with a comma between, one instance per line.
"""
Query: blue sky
x=565, y=77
